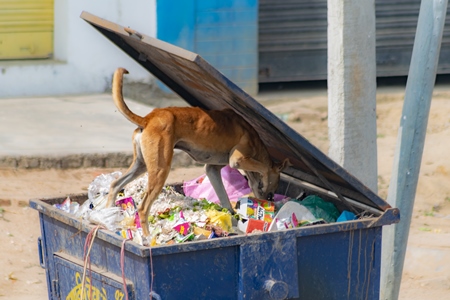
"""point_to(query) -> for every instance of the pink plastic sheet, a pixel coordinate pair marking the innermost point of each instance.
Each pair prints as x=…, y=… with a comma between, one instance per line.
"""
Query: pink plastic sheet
x=234, y=182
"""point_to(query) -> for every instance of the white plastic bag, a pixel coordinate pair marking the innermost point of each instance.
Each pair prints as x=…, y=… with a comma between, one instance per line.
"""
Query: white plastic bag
x=109, y=217
x=98, y=191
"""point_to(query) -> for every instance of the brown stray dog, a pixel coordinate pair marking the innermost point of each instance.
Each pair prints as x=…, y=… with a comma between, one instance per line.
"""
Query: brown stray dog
x=214, y=137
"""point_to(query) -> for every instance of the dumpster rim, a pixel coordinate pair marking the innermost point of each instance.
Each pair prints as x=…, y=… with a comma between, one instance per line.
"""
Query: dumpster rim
x=390, y=216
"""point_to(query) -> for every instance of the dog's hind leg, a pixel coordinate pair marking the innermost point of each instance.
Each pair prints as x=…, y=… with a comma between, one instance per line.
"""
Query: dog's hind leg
x=157, y=153
x=136, y=169
x=213, y=173
x=156, y=181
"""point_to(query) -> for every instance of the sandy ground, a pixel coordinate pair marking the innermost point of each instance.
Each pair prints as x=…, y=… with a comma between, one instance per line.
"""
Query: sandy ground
x=427, y=266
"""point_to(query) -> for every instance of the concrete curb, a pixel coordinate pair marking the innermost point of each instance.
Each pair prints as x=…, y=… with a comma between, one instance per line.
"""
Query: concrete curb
x=76, y=161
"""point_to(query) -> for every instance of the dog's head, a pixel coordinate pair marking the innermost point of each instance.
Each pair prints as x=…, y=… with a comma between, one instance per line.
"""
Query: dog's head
x=265, y=185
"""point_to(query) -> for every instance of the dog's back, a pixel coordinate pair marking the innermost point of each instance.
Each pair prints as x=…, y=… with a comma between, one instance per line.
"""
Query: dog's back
x=220, y=130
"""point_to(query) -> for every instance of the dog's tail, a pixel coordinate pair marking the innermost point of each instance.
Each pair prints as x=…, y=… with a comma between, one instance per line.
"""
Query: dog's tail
x=120, y=103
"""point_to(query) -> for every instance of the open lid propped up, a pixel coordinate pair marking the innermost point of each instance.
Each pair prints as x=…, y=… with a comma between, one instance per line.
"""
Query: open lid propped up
x=200, y=84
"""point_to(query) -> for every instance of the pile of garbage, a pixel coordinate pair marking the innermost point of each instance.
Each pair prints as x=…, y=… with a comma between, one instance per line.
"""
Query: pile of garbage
x=173, y=218
x=179, y=217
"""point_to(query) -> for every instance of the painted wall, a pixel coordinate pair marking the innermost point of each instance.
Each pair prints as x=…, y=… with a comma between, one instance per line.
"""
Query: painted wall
x=84, y=60
x=223, y=32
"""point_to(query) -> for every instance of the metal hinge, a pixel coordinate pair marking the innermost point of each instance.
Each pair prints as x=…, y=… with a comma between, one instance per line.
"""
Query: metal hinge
x=133, y=33
x=41, y=253
x=55, y=289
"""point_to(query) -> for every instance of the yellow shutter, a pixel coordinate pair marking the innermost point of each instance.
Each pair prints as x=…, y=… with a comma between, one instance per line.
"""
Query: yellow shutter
x=26, y=29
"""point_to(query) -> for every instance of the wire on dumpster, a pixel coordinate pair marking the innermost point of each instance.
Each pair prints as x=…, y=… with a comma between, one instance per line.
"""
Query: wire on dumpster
x=152, y=293
x=87, y=260
x=122, y=266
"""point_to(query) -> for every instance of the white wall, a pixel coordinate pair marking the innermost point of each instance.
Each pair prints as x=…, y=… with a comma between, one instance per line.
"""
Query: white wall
x=84, y=60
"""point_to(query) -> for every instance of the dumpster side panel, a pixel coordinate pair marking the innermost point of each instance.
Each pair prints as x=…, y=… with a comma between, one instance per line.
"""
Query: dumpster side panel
x=98, y=283
x=58, y=237
x=268, y=269
x=61, y=239
x=44, y=248
x=344, y=265
x=203, y=274
x=330, y=261
x=136, y=268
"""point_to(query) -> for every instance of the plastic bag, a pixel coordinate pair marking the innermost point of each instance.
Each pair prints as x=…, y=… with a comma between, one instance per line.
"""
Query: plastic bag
x=234, y=182
x=283, y=219
x=220, y=218
x=68, y=206
x=98, y=191
x=108, y=217
x=321, y=209
x=99, y=188
x=346, y=216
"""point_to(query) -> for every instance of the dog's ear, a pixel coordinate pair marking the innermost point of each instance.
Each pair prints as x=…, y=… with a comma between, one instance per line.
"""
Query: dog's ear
x=286, y=163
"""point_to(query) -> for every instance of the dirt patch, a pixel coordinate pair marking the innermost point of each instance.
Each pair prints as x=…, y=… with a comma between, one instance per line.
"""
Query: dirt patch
x=427, y=265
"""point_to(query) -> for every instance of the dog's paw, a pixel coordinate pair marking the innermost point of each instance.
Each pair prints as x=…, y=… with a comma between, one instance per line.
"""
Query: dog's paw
x=145, y=241
x=234, y=222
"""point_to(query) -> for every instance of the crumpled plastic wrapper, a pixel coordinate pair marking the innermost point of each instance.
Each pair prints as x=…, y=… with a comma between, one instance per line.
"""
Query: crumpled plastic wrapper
x=162, y=229
x=173, y=216
x=98, y=191
x=108, y=217
x=68, y=206
x=100, y=185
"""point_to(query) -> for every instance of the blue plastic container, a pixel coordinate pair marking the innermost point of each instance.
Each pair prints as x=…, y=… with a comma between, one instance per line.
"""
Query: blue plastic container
x=331, y=261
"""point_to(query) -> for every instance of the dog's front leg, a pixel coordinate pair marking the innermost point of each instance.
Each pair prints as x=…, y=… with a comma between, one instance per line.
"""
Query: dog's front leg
x=213, y=173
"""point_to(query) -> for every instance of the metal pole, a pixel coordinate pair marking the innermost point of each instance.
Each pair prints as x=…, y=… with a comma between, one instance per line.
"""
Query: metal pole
x=410, y=141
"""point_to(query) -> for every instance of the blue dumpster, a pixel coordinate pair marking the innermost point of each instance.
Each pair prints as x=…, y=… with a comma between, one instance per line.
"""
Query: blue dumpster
x=328, y=261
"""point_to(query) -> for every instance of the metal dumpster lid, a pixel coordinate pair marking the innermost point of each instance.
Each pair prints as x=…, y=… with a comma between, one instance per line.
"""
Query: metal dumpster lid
x=200, y=84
